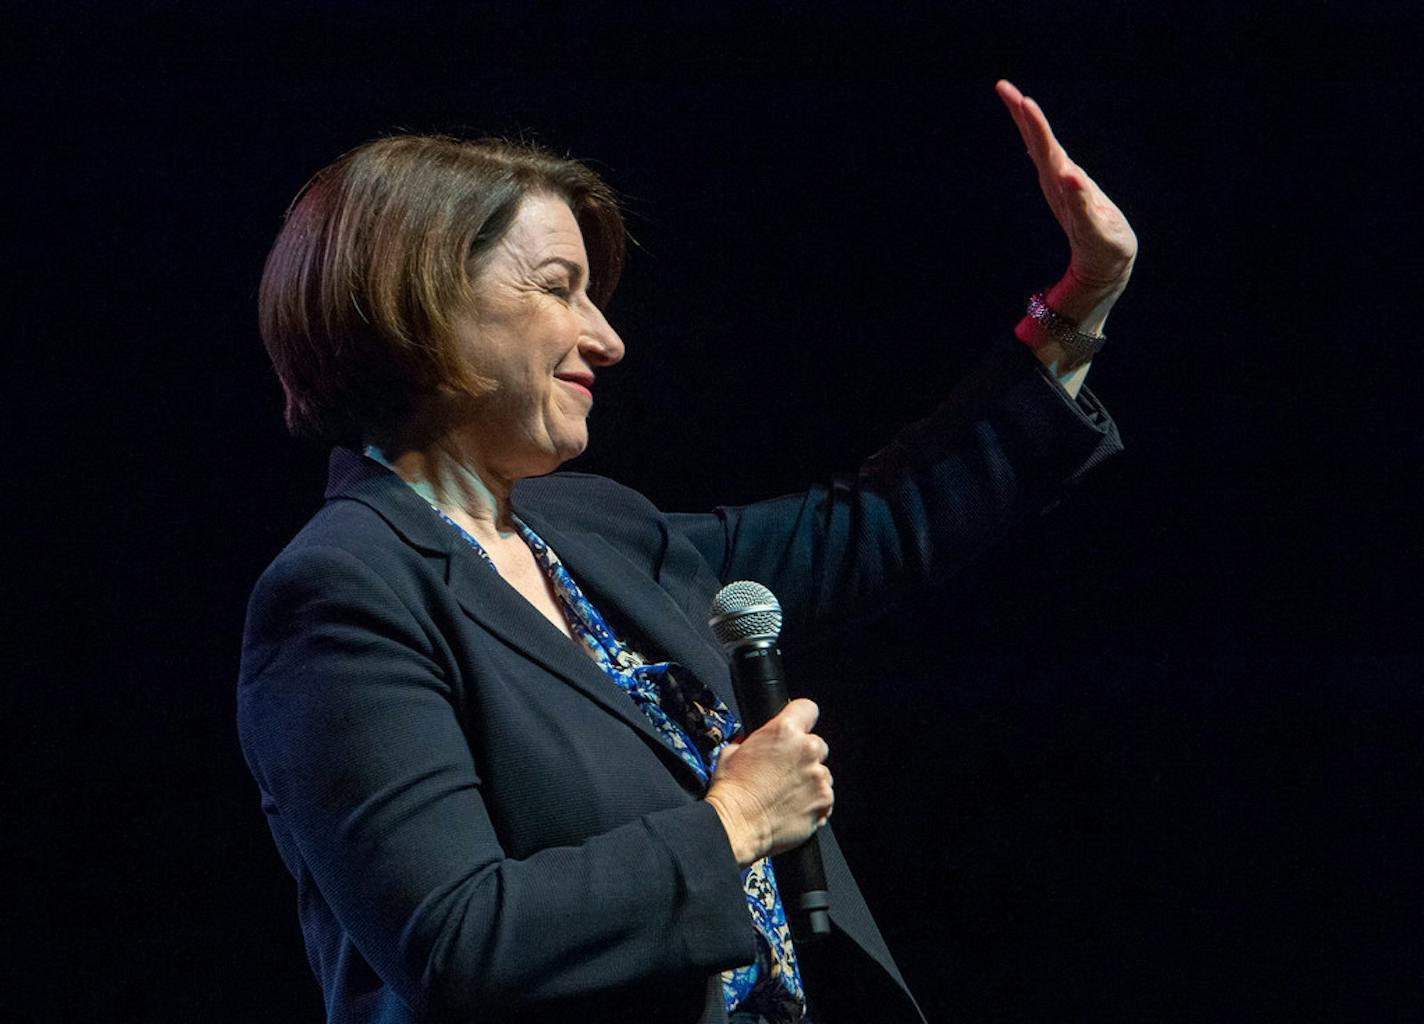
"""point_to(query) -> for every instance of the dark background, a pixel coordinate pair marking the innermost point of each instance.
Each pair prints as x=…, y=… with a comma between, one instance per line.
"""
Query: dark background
x=1156, y=759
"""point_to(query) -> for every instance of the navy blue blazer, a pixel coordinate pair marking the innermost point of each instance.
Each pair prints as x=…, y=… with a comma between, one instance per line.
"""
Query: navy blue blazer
x=481, y=826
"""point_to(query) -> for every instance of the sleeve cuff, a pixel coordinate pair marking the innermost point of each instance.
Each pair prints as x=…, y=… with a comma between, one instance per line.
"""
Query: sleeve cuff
x=715, y=928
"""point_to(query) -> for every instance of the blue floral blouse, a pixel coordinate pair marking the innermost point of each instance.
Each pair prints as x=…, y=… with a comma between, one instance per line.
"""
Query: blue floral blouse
x=696, y=724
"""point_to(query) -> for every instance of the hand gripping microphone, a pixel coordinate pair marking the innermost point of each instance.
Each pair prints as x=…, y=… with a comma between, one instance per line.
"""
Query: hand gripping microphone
x=746, y=619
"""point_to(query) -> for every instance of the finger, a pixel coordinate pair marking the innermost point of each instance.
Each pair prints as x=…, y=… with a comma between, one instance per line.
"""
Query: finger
x=1059, y=163
x=1035, y=116
x=1032, y=123
x=1013, y=100
x=1040, y=150
x=800, y=713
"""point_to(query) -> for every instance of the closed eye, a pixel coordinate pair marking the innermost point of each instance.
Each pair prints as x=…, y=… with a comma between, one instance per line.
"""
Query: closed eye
x=563, y=286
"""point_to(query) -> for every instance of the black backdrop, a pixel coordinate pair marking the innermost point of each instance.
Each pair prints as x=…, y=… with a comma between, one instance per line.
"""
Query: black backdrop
x=1158, y=759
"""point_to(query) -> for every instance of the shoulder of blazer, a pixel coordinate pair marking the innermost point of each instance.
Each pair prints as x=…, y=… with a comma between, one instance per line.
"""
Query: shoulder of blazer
x=588, y=504
x=371, y=519
x=573, y=497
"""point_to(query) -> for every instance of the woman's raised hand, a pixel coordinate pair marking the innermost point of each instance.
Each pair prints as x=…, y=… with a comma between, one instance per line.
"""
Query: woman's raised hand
x=773, y=790
x=1101, y=241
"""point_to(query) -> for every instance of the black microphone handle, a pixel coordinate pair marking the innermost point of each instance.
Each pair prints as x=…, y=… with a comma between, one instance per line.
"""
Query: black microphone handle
x=800, y=876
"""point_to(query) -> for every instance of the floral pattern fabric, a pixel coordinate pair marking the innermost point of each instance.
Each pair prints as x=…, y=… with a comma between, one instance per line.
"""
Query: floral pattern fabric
x=696, y=725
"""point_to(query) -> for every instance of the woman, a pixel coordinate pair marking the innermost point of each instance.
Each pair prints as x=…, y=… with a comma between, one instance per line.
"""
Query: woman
x=491, y=730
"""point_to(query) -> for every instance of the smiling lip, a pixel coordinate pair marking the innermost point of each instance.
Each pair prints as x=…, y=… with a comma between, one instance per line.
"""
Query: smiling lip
x=579, y=381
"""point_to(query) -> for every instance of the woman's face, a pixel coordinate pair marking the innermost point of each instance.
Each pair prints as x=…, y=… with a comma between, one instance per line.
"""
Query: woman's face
x=535, y=331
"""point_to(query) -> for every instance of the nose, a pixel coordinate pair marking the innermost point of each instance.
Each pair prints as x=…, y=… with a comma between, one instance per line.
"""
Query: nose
x=599, y=342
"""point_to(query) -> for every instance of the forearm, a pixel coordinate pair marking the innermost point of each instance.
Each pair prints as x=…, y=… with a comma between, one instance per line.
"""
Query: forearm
x=1000, y=447
x=655, y=898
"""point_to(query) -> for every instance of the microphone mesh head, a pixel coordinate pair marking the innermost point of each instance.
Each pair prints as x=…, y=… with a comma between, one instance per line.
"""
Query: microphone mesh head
x=744, y=610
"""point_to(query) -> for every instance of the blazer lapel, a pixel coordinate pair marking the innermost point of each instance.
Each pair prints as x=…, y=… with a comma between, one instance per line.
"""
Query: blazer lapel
x=497, y=606
x=607, y=576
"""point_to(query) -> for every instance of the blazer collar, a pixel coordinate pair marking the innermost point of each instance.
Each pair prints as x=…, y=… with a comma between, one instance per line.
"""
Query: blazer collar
x=600, y=571
x=352, y=475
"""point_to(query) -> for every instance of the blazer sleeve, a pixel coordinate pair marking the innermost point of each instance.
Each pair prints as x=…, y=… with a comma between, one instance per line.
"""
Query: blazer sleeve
x=1003, y=445
x=348, y=723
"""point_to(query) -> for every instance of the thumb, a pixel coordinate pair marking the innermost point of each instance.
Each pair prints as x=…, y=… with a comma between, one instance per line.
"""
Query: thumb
x=801, y=713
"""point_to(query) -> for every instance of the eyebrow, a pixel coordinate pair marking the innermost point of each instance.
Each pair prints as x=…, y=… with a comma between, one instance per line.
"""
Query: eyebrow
x=573, y=268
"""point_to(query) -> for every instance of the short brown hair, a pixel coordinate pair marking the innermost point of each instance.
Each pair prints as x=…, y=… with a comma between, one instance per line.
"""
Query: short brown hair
x=376, y=256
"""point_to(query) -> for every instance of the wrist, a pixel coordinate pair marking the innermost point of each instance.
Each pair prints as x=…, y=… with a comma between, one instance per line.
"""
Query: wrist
x=744, y=839
x=1084, y=301
x=1064, y=326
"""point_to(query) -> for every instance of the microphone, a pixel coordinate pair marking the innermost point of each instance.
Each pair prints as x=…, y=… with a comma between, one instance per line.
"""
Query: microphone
x=746, y=619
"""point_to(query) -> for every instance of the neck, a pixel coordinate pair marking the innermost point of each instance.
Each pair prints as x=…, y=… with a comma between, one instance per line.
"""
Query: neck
x=456, y=481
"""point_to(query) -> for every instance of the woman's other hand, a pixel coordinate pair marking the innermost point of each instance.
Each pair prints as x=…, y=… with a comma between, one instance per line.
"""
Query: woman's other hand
x=1101, y=242
x=773, y=790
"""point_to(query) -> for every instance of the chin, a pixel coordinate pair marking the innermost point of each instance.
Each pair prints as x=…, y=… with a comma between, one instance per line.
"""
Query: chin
x=570, y=452
x=571, y=445
x=550, y=460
